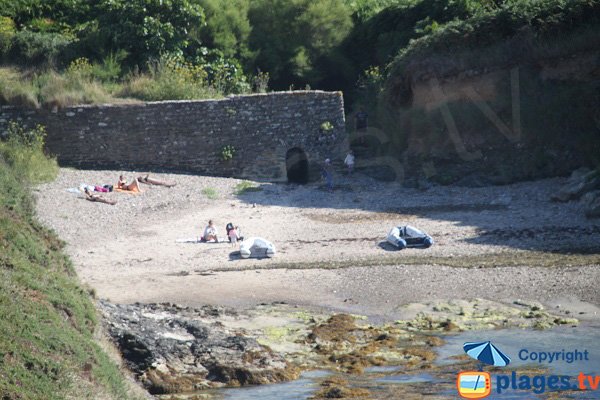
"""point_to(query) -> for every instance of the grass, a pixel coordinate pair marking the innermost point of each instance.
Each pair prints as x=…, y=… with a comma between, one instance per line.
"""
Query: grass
x=210, y=193
x=246, y=187
x=168, y=81
x=16, y=90
x=77, y=85
x=48, y=322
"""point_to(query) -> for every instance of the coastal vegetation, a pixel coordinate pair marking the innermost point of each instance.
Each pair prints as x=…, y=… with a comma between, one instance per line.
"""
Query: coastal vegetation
x=181, y=49
x=49, y=327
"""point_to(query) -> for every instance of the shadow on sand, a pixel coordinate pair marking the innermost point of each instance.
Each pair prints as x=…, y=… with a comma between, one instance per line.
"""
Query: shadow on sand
x=519, y=216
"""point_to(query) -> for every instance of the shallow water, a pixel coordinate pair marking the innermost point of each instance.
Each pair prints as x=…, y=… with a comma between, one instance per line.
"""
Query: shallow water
x=513, y=341
x=301, y=388
x=380, y=379
x=419, y=378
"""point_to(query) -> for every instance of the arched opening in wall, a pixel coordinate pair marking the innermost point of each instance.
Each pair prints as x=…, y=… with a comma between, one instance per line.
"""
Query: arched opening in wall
x=296, y=165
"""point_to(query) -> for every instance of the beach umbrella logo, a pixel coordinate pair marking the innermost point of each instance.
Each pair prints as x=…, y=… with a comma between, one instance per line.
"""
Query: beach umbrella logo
x=478, y=384
x=486, y=353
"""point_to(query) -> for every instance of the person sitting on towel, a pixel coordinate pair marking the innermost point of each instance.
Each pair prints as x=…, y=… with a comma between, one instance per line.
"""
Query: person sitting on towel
x=210, y=233
x=134, y=186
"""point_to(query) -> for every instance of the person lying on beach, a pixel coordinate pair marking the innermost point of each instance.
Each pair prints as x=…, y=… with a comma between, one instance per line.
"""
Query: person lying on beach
x=210, y=233
x=134, y=186
x=96, y=197
x=150, y=181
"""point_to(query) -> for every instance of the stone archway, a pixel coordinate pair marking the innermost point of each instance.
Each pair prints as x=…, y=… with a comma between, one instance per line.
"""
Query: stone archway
x=296, y=165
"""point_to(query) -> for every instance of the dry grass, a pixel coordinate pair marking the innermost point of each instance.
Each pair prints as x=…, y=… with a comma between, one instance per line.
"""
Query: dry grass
x=15, y=90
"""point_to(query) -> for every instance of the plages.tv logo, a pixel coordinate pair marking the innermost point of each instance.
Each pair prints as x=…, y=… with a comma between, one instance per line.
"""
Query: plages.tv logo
x=478, y=384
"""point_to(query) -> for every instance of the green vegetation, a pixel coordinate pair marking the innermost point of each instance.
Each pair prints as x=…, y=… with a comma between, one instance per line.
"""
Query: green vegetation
x=231, y=46
x=23, y=152
x=246, y=187
x=227, y=152
x=48, y=320
x=210, y=193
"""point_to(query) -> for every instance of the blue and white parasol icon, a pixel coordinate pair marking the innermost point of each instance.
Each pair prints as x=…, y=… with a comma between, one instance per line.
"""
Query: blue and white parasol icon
x=486, y=353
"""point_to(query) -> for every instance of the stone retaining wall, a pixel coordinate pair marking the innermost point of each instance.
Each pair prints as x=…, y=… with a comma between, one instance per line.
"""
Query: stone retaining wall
x=189, y=136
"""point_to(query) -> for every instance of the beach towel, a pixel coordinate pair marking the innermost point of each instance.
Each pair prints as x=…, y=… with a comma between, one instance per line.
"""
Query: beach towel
x=198, y=240
x=136, y=191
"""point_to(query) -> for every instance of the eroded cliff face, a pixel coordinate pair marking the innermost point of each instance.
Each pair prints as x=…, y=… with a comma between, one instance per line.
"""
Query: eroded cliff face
x=524, y=120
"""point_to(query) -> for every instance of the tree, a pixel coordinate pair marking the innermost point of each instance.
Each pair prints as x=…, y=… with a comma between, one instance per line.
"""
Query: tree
x=227, y=28
x=291, y=37
x=145, y=29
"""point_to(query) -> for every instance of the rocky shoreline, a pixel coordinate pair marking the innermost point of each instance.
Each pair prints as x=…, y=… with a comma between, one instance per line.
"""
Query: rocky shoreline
x=175, y=350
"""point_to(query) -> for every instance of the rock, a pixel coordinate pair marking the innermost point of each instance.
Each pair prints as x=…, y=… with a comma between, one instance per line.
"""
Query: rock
x=174, y=349
x=423, y=184
x=580, y=182
x=591, y=202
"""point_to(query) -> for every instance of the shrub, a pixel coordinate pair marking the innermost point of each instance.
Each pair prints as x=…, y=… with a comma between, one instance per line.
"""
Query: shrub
x=169, y=79
x=71, y=88
x=210, y=193
x=16, y=90
x=35, y=48
x=227, y=153
x=326, y=126
x=23, y=150
x=109, y=70
x=246, y=187
x=7, y=31
x=260, y=82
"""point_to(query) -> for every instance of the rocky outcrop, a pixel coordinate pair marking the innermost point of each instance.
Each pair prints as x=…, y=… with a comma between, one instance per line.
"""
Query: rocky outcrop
x=585, y=185
x=580, y=182
x=177, y=349
x=591, y=202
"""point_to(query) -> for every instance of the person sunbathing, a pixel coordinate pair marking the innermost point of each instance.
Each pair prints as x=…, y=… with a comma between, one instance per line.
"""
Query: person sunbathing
x=150, y=181
x=134, y=186
x=96, y=197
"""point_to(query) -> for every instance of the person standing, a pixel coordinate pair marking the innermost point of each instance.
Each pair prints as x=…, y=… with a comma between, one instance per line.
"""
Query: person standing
x=328, y=174
x=349, y=161
x=361, y=125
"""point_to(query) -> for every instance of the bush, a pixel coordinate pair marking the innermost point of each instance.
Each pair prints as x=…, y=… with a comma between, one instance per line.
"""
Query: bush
x=16, y=90
x=227, y=153
x=41, y=49
x=169, y=79
x=210, y=193
x=7, y=31
x=72, y=88
x=23, y=150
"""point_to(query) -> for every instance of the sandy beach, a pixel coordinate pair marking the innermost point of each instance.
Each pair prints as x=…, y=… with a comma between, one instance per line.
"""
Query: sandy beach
x=501, y=243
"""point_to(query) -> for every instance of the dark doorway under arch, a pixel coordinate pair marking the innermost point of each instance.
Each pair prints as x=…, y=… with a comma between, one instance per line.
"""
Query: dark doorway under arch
x=296, y=165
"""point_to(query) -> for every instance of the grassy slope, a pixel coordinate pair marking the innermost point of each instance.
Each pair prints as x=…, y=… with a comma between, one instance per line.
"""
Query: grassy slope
x=47, y=320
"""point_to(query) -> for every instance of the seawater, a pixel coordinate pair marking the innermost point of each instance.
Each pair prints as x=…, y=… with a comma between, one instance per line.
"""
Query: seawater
x=509, y=341
x=512, y=341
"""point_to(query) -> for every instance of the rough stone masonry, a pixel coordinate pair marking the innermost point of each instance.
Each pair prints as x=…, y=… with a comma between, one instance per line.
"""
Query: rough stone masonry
x=190, y=136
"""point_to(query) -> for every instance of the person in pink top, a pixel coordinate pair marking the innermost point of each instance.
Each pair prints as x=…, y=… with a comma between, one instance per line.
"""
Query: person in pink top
x=233, y=236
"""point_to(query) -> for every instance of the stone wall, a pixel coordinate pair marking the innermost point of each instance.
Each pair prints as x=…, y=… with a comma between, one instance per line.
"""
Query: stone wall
x=189, y=136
